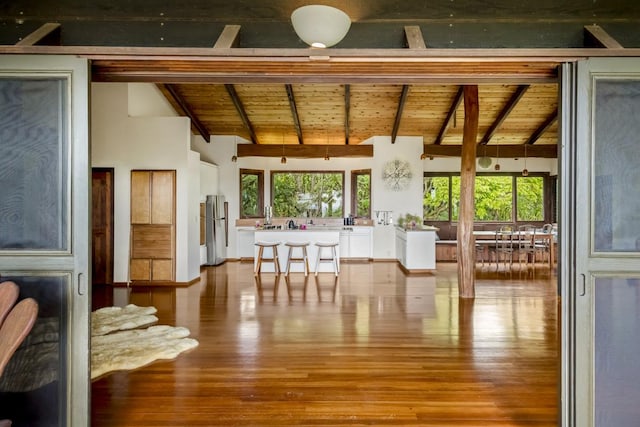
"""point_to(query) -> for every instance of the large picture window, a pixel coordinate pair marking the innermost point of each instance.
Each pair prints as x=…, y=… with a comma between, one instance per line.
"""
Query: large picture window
x=307, y=194
x=498, y=197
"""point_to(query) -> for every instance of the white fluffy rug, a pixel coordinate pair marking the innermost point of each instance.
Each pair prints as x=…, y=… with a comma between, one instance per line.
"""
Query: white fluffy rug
x=130, y=348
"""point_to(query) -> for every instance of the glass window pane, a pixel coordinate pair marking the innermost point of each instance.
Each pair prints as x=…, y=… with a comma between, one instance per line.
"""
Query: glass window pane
x=33, y=385
x=33, y=164
x=616, y=156
x=530, y=198
x=363, y=195
x=617, y=345
x=249, y=195
x=435, y=199
x=307, y=194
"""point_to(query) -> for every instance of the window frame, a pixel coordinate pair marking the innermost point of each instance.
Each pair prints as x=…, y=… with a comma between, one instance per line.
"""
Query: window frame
x=322, y=171
x=354, y=190
x=547, y=180
x=260, y=199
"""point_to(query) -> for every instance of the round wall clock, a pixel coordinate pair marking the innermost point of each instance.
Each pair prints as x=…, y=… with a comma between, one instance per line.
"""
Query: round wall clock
x=396, y=174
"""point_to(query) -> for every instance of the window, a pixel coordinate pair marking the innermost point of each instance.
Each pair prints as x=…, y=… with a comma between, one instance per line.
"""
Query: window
x=307, y=194
x=361, y=193
x=251, y=193
x=530, y=198
x=497, y=197
x=435, y=201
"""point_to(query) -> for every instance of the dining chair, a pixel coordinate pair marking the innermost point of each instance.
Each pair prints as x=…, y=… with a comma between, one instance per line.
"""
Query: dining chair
x=526, y=243
x=503, y=247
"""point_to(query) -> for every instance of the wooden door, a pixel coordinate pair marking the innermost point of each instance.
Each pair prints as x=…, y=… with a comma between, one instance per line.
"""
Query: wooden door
x=102, y=226
x=152, y=225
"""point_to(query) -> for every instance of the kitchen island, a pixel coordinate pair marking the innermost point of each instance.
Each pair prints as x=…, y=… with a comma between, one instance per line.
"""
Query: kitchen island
x=310, y=235
x=416, y=249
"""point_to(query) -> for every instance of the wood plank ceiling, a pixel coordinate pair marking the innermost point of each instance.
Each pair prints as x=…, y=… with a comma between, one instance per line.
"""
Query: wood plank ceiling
x=368, y=88
x=339, y=114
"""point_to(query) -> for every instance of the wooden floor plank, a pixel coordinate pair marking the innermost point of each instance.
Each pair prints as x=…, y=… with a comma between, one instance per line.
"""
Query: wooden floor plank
x=376, y=348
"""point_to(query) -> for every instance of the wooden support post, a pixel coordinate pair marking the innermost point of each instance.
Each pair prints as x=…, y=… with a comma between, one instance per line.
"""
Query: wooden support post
x=466, y=241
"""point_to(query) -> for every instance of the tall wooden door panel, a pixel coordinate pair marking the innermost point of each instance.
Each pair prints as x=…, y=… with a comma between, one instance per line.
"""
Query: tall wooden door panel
x=152, y=226
x=102, y=226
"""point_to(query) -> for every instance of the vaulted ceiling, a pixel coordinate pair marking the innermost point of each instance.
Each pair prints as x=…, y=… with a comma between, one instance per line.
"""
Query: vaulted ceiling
x=328, y=101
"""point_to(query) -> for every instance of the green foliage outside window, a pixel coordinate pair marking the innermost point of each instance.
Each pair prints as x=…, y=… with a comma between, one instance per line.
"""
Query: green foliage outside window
x=530, y=198
x=363, y=195
x=435, y=200
x=307, y=194
x=493, y=198
x=249, y=185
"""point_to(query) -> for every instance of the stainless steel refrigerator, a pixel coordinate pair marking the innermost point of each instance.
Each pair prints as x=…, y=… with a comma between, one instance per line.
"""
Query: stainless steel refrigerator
x=216, y=230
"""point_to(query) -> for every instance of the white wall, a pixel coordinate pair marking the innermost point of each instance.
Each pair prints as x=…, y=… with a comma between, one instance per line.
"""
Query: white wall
x=125, y=143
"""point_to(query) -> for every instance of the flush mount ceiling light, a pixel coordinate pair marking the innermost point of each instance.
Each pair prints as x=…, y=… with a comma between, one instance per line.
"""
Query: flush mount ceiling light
x=320, y=26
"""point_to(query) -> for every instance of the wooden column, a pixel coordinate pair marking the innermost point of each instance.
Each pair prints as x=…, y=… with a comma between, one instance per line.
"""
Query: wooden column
x=466, y=241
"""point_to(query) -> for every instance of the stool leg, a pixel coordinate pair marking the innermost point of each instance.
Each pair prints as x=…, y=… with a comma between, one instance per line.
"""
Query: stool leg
x=276, y=260
x=306, y=261
x=318, y=259
x=288, y=268
x=258, y=261
x=336, y=265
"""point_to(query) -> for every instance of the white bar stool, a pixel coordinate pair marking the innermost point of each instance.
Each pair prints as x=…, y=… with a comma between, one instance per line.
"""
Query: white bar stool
x=274, y=256
x=332, y=258
x=292, y=258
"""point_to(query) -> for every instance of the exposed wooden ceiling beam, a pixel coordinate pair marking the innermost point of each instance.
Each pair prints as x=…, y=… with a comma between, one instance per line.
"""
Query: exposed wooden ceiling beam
x=347, y=109
x=543, y=128
x=596, y=36
x=294, y=112
x=450, y=114
x=396, y=123
x=511, y=103
x=413, y=36
x=187, y=111
x=506, y=151
x=242, y=112
x=47, y=34
x=307, y=151
x=229, y=38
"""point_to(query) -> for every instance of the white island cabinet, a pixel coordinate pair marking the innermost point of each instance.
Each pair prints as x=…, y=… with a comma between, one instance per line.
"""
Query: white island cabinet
x=416, y=249
x=356, y=242
x=311, y=236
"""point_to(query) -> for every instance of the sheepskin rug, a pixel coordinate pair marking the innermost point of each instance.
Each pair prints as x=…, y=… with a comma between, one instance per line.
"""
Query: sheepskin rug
x=119, y=343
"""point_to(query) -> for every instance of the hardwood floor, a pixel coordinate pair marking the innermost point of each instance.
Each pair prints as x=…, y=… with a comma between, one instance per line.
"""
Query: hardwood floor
x=376, y=347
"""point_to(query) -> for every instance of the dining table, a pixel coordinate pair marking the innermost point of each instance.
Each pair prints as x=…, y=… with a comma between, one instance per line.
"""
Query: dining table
x=551, y=238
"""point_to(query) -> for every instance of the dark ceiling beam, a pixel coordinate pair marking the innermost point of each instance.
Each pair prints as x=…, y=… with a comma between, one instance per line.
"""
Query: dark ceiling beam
x=596, y=36
x=548, y=151
x=294, y=112
x=307, y=151
x=47, y=34
x=543, y=128
x=413, y=37
x=450, y=114
x=347, y=110
x=396, y=123
x=241, y=111
x=187, y=111
x=511, y=103
x=229, y=38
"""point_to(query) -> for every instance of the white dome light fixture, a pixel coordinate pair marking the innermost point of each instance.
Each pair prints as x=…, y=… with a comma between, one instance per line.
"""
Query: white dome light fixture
x=319, y=25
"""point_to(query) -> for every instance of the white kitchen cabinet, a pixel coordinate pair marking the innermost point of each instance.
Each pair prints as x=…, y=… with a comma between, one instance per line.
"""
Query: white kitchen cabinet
x=416, y=249
x=245, y=242
x=356, y=242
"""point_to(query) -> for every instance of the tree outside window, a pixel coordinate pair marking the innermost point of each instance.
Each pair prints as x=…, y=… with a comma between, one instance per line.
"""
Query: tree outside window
x=251, y=193
x=307, y=194
x=361, y=193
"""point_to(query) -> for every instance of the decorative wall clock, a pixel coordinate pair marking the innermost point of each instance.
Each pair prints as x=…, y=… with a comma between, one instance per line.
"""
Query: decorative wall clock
x=396, y=175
